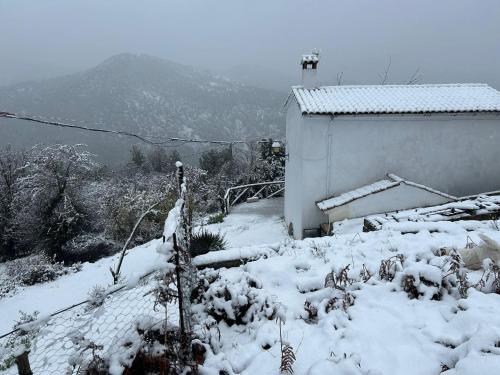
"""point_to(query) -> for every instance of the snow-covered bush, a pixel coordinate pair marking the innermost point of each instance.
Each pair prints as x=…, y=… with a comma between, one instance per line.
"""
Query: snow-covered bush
x=86, y=358
x=48, y=205
x=20, y=341
x=88, y=247
x=30, y=270
x=389, y=267
x=36, y=269
x=490, y=280
x=97, y=296
x=236, y=301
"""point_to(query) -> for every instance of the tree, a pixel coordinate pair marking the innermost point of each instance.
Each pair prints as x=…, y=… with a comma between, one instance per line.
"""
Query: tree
x=212, y=161
x=162, y=162
x=11, y=170
x=137, y=156
x=50, y=210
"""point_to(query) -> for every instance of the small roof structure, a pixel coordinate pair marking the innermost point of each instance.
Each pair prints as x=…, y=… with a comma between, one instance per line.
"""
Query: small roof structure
x=376, y=187
x=396, y=99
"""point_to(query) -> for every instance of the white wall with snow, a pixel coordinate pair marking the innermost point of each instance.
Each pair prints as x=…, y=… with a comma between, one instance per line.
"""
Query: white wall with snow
x=455, y=153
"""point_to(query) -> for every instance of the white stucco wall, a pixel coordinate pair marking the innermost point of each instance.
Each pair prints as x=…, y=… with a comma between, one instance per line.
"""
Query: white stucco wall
x=397, y=198
x=457, y=154
x=293, y=170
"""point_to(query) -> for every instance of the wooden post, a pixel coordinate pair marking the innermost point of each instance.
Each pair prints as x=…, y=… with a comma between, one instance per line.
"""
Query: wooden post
x=23, y=364
x=179, y=287
x=180, y=298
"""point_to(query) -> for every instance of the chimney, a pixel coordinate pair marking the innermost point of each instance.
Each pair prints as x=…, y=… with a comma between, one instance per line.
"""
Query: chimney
x=309, y=69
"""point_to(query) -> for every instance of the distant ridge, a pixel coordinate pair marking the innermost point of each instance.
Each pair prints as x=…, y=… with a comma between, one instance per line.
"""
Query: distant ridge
x=153, y=97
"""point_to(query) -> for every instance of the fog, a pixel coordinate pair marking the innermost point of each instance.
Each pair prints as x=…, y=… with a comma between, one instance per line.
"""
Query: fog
x=446, y=40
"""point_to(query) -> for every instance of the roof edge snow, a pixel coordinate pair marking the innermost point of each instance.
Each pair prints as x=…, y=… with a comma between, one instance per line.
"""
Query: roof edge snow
x=376, y=187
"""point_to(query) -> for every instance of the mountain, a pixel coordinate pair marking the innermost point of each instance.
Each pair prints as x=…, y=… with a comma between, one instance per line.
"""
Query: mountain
x=150, y=96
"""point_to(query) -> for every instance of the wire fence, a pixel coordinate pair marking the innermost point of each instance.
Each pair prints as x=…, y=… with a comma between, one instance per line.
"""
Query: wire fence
x=108, y=326
x=54, y=344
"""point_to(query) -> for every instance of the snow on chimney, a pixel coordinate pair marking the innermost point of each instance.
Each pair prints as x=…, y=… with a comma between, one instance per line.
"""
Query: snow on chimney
x=309, y=64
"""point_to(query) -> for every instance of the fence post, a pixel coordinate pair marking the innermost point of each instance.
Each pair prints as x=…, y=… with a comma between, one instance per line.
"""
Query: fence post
x=23, y=364
x=180, y=175
x=180, y=295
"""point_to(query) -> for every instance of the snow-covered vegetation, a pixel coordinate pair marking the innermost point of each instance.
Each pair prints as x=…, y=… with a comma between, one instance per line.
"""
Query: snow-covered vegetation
x=60, y=208
x=354, y=303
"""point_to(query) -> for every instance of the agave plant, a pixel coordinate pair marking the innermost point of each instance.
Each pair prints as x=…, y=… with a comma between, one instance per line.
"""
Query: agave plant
x=205, y=241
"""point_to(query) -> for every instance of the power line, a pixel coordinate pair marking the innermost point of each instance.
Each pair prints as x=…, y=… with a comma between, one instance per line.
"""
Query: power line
x=176, y=141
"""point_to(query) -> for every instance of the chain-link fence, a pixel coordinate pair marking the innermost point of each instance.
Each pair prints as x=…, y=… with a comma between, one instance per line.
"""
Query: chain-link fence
x=54, y=344
x=108, y=326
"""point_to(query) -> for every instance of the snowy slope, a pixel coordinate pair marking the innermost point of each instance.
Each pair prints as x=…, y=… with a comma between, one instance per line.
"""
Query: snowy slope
x=73, y=288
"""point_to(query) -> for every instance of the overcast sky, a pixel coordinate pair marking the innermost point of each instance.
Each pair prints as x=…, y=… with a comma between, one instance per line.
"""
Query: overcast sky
x=449, y=40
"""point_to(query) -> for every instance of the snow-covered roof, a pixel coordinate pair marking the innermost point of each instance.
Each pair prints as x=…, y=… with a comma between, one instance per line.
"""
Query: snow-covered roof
x=466, y=97
x=392, y=181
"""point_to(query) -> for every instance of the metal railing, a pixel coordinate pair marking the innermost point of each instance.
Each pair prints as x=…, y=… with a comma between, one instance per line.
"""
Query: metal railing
x=259, y=190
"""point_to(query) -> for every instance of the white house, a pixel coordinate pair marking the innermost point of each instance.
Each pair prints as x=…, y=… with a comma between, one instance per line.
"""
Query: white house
x=343, y=141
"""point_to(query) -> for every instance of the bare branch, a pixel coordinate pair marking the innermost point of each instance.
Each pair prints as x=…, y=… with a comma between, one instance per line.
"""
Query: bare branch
x=339, y=78
x=383, y=76
x=415, y=78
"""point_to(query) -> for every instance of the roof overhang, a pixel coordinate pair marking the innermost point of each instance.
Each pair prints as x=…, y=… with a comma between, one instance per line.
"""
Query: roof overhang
x=392, y=182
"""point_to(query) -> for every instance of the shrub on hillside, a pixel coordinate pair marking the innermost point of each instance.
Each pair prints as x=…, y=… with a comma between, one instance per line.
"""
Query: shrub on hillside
x=204, y=242
x=215, y=219
x=88, y=247
x=31, y=270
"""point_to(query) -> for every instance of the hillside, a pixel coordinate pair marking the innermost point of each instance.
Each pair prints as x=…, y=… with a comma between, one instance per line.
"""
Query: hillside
x=147, y=95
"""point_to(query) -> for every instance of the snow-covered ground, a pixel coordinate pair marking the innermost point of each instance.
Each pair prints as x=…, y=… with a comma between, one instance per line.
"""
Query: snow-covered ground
x=74, y=288
x=256, y=223
x=368, y=325
x=383, y=332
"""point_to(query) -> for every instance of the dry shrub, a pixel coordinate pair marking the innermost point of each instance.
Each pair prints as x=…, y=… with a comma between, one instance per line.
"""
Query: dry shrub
x=338, y=280
x=490, y=280
x=408, y=285
x=312, y=311
x=456, y=269
x=344, y=301
x=365, y=275
x=389, y=267
x=287, y=359
x=287, y=354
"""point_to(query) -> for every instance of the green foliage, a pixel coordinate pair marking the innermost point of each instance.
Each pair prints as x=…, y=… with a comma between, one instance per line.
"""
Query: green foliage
x=204, y=242
x=137, y=156
x=212, y=161
x=123, y=209
x=215, y=219
x=162, y=162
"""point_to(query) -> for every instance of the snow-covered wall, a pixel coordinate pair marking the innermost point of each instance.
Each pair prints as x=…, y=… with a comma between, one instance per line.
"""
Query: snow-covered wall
x=458, y=154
